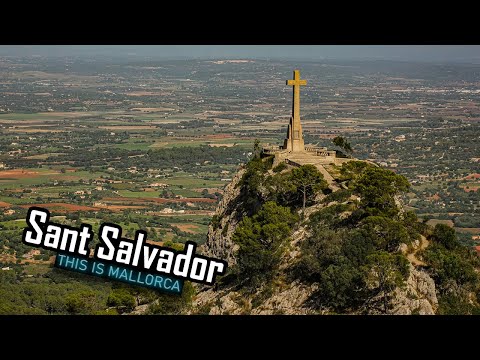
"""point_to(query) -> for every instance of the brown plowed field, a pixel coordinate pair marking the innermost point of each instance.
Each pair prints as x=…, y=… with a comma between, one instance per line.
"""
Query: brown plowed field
x=62, y=207
x=158, y=200
x=17, y=174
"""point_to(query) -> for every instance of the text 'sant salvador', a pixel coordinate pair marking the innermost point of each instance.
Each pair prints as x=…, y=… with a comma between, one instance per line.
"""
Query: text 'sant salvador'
x=132, y=261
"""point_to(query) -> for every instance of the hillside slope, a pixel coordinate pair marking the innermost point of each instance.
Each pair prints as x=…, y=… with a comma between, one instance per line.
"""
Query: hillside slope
x=352, y=251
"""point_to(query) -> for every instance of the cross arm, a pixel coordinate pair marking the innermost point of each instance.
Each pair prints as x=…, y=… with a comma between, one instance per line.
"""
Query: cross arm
x=296, y=82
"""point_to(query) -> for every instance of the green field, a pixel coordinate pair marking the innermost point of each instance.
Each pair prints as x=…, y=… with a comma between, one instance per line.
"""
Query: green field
x=14, y=200
x=14, y=224
x=138, y=194
x=187, y=193
x=191, y=183
x=133, y=146
x=46, y=116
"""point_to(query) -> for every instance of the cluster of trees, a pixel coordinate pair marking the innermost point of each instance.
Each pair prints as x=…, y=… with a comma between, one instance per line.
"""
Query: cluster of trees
x=453, y=267
x=63, y=292
x=343, y=144
x=352, y=250
x=10, y=240
x=65, y=142
x=296, y=188
x=261, y=239
x=468, y=221
x=180, y=157
x=271, y=201
x=53, y=293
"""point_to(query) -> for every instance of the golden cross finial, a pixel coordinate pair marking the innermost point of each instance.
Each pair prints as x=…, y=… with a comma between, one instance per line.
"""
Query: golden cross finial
x=296, y=83
x=296, y=79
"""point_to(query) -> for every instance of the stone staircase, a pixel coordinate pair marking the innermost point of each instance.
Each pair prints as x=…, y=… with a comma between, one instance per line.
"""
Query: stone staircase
x=306, y=158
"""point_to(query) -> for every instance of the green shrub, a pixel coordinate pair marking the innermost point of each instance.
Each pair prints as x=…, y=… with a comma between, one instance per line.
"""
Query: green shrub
x=339, y=196
x=215, y=222
x=225, y=230
x=445, y=235
x=121, y=298
x=280, y=167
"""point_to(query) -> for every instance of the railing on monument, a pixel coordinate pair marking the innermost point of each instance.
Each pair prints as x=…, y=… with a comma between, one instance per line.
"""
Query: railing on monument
x=271, y=149
x=320, y=151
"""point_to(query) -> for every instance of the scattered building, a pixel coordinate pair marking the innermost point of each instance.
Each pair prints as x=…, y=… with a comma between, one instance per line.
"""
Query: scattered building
x=161, y=185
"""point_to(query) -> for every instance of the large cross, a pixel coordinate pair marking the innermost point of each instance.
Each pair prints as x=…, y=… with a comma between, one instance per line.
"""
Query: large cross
x=296, y=83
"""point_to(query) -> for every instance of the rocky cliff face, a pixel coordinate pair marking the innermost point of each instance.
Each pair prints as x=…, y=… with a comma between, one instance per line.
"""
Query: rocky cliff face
x=286, y=296
x=418, y=297
x=219, y=242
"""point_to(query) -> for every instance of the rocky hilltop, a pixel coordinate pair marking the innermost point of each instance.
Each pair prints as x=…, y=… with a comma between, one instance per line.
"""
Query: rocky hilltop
x=355, y=250
x=418, y=296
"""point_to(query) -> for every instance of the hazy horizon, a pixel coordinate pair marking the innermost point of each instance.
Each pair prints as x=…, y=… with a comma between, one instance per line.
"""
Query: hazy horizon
x=424, y=53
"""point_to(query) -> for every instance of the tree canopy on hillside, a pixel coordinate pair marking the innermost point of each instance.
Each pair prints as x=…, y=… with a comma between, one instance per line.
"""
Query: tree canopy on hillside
x=261, y=241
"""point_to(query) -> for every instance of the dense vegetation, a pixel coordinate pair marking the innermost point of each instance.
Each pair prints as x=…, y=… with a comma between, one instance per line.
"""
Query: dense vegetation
x=352, y=248
x=270, y=199
x=262, y=239
x=55, y=292
x=158, y=159
x=343, y=144
x=453, y=266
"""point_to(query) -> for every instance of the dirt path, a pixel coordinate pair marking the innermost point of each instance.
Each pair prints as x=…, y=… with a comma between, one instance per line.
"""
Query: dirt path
x=412, y=256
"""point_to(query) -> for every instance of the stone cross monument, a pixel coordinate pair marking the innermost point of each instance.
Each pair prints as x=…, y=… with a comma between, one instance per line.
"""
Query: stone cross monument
x=294, y=141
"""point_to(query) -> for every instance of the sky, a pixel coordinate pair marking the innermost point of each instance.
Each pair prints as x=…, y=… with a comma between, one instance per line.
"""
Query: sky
x=428, y=53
